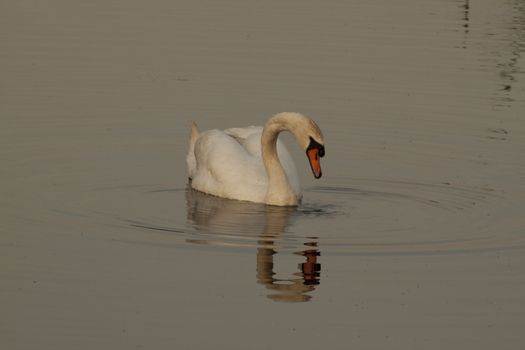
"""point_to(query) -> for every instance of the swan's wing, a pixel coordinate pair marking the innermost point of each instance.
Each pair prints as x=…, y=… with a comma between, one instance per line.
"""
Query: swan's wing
x=249, y=138
x=241, y=134
x=226, y=169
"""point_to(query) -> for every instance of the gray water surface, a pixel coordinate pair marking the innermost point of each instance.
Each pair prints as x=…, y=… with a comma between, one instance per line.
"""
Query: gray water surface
x=413, y=238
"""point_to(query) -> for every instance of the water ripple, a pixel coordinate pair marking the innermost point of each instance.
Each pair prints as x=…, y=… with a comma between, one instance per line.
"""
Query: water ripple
x=352, y=216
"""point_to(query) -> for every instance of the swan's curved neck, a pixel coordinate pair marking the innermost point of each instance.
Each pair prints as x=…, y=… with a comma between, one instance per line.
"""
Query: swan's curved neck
x=279, y=190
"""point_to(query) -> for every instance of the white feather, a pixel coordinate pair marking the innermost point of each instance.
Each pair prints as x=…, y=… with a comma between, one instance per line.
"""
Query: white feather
x=229, y=164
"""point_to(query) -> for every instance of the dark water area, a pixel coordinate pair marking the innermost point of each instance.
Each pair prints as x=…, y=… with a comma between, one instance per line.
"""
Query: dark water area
x=413, y=238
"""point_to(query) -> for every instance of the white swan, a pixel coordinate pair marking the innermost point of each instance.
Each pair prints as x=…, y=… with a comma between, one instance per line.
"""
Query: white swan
x=251, y=164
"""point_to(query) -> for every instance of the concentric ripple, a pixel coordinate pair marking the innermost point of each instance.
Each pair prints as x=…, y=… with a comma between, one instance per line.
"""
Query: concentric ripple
x=352, y=216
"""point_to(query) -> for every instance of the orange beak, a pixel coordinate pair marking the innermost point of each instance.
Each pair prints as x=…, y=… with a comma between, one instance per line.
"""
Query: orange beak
x=315, y=161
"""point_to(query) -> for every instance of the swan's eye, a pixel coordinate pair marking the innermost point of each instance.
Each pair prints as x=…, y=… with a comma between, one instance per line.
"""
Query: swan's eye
x=321, y=151
x=317, y=145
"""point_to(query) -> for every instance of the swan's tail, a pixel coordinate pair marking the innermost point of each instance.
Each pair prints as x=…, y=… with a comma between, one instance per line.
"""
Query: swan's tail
x=190, y=158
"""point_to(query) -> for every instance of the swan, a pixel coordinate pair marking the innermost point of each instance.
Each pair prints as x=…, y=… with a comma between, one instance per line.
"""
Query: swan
x=251, y=164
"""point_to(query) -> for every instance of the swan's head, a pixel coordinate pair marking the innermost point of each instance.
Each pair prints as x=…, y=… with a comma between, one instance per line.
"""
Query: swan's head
x=314, y=152
x=314, y=148
x=308, y=135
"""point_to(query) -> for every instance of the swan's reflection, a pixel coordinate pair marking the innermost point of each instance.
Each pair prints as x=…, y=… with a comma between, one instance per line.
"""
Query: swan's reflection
x=229, y=222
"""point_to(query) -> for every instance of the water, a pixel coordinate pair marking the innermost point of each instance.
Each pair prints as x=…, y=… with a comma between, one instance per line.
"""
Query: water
x=413, y=237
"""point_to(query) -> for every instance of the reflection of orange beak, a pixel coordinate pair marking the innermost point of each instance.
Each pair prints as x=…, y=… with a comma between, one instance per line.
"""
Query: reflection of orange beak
x=315, y=162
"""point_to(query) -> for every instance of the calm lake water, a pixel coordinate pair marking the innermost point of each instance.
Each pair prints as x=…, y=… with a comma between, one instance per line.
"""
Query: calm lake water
x=414, y=238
